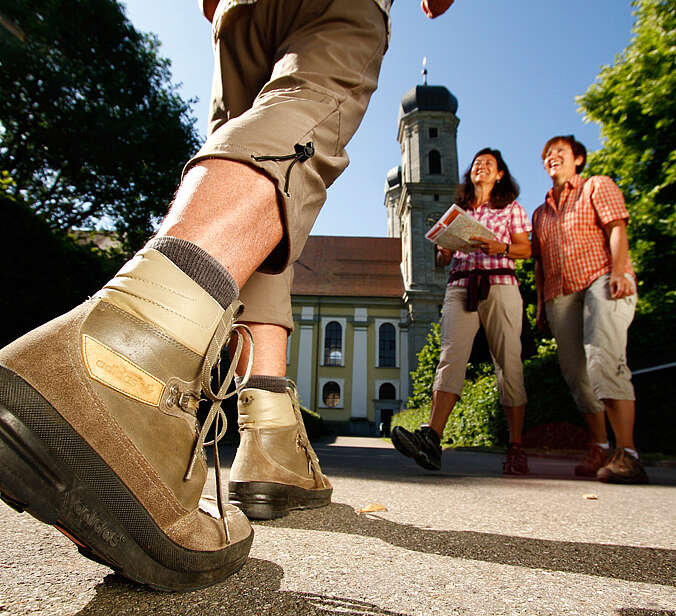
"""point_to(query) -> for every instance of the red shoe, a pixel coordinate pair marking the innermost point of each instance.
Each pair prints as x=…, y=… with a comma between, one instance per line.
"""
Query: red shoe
x=594, y=458
x=516, y=462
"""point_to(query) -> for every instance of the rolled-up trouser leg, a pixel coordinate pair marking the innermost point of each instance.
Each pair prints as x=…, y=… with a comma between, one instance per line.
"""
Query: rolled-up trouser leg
x=564, y=314
x=606, y=322
x=292, y=73
x=501, y=316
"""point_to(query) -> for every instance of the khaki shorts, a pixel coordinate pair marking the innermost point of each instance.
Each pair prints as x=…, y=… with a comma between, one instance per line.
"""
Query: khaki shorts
x=591, y=332
x=501, y=316
x=290, y=73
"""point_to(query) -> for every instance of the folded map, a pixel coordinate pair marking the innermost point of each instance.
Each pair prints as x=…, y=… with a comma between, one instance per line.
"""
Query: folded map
x=454, y=229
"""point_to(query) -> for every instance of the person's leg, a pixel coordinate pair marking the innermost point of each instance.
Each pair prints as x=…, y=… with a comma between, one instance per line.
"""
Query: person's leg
x=271, y=474
x=101, y=402
x=621, y=414
x=251, y=219
x=605, y=339
x=565, y=316
x=442, y=406
x=606, y=322
x=458, y=329
x=501, y=314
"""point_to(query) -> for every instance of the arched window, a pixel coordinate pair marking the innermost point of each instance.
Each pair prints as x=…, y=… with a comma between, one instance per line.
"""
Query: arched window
x=387, y=346
x=331, y=394
x=434, y=159
x=333, y=344
x=387, y=392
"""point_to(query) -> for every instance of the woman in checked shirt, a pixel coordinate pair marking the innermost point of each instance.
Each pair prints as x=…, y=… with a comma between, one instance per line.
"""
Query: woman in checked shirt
x=482, y=290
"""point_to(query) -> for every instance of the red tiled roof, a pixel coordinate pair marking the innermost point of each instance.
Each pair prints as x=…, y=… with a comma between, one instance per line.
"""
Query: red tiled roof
x=349, y=266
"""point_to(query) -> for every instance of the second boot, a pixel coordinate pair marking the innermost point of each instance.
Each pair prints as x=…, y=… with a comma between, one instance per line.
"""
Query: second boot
x=275, y=469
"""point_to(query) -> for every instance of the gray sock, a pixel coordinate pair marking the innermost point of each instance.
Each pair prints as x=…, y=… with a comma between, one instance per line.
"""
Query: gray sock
x=200, y=266
x=275, y=384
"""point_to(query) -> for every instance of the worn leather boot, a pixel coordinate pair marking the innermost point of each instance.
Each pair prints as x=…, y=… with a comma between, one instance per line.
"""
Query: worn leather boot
x=275, y=469
x=98, y=431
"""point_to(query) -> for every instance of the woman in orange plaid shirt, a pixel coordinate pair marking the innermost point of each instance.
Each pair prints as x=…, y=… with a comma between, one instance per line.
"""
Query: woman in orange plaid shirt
x=482, y=290
x=587, y=296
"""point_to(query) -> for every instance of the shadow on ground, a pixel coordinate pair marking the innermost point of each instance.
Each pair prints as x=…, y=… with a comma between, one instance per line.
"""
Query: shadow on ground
x=635, y=564
x=254, y=591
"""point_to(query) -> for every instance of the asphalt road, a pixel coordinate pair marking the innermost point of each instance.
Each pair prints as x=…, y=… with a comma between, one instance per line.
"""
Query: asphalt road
x=462, y=541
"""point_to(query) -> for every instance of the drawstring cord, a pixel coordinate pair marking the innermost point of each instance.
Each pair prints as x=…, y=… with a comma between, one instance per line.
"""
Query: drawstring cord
x=301, y=154
x=216, y=413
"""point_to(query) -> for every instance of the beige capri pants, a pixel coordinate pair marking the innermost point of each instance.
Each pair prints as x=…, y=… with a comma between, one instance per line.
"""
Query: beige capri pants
x=501, y=316
x=591, y=334
x=290, y=73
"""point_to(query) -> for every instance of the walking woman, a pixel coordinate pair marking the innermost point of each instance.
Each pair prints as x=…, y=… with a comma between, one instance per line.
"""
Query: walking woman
x=482, y=290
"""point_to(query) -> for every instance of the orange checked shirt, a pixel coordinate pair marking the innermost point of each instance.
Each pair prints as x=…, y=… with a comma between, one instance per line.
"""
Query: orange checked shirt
x=569, y=237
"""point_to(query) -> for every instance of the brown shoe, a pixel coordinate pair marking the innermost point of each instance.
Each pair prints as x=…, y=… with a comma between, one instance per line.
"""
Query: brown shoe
x=98, y=429
x=622, y=468
x=516, y=462
x=275, y=469
x=594, y=458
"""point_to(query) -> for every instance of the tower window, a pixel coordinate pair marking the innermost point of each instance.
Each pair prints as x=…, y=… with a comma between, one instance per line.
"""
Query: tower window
x=433, y=133
x=434, y=160
x=436, y=196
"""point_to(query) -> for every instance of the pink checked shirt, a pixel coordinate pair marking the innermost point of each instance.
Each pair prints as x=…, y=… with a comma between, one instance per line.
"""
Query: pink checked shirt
x=505, y=222
x=569, y=238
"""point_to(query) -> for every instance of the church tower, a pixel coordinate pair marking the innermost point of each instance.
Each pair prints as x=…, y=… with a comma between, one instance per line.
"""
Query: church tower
x=417, y=193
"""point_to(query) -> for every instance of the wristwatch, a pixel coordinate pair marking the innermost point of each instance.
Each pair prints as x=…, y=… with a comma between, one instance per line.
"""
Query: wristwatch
x=507, y=247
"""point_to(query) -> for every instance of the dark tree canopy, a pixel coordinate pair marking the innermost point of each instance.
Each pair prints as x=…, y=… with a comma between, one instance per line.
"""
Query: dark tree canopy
x=92, y=129
x=634, y=101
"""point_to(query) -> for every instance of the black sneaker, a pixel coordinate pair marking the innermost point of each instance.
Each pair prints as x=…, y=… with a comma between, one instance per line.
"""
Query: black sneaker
x=423, y=446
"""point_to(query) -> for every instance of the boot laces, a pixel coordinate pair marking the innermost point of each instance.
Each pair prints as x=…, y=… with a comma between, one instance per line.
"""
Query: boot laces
x=212, y=360
x=302, y=439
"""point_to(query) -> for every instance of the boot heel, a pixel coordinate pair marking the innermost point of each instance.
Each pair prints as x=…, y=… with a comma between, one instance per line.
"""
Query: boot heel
x=28, y=481
x=263, y=500
x=260, y=500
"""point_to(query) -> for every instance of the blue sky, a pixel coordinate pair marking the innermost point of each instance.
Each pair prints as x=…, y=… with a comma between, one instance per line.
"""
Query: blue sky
x=515, y=67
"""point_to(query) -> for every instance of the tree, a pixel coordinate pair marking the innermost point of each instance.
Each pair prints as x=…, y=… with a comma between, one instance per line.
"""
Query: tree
x=634, y=101
x=92, y=129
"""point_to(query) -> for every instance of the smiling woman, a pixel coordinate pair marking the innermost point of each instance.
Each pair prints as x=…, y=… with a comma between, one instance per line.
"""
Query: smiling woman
x=482, y=290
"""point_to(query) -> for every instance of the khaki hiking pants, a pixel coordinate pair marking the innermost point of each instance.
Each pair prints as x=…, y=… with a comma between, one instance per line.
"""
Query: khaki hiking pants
x=288, y=73
x=591, y=334
x=501, y=316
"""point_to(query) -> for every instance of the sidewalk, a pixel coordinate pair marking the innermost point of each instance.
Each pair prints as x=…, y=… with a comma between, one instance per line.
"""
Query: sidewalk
x=464, y=541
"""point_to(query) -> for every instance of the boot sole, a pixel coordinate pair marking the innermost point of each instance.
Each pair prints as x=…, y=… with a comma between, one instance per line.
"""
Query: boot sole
x=49, y=471
x=263, y=500
x=404, y=445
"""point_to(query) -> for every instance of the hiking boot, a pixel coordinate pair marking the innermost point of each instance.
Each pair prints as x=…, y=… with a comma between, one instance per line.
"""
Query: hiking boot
x=423, y=445
x=275, y=468
x=98, y=428
x=516, y=462
x=622, y=468
x=594, y=458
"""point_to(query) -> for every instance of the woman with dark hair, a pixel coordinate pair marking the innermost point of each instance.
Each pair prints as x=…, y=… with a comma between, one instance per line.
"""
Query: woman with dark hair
x=482, y=290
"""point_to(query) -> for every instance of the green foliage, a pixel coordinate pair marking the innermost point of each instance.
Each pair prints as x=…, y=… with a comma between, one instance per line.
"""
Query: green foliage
x=91, y=127
x=423, y=376
x=634, y=102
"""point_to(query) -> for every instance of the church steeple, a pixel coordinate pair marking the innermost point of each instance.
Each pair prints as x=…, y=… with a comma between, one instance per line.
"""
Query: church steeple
x=416, y=194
